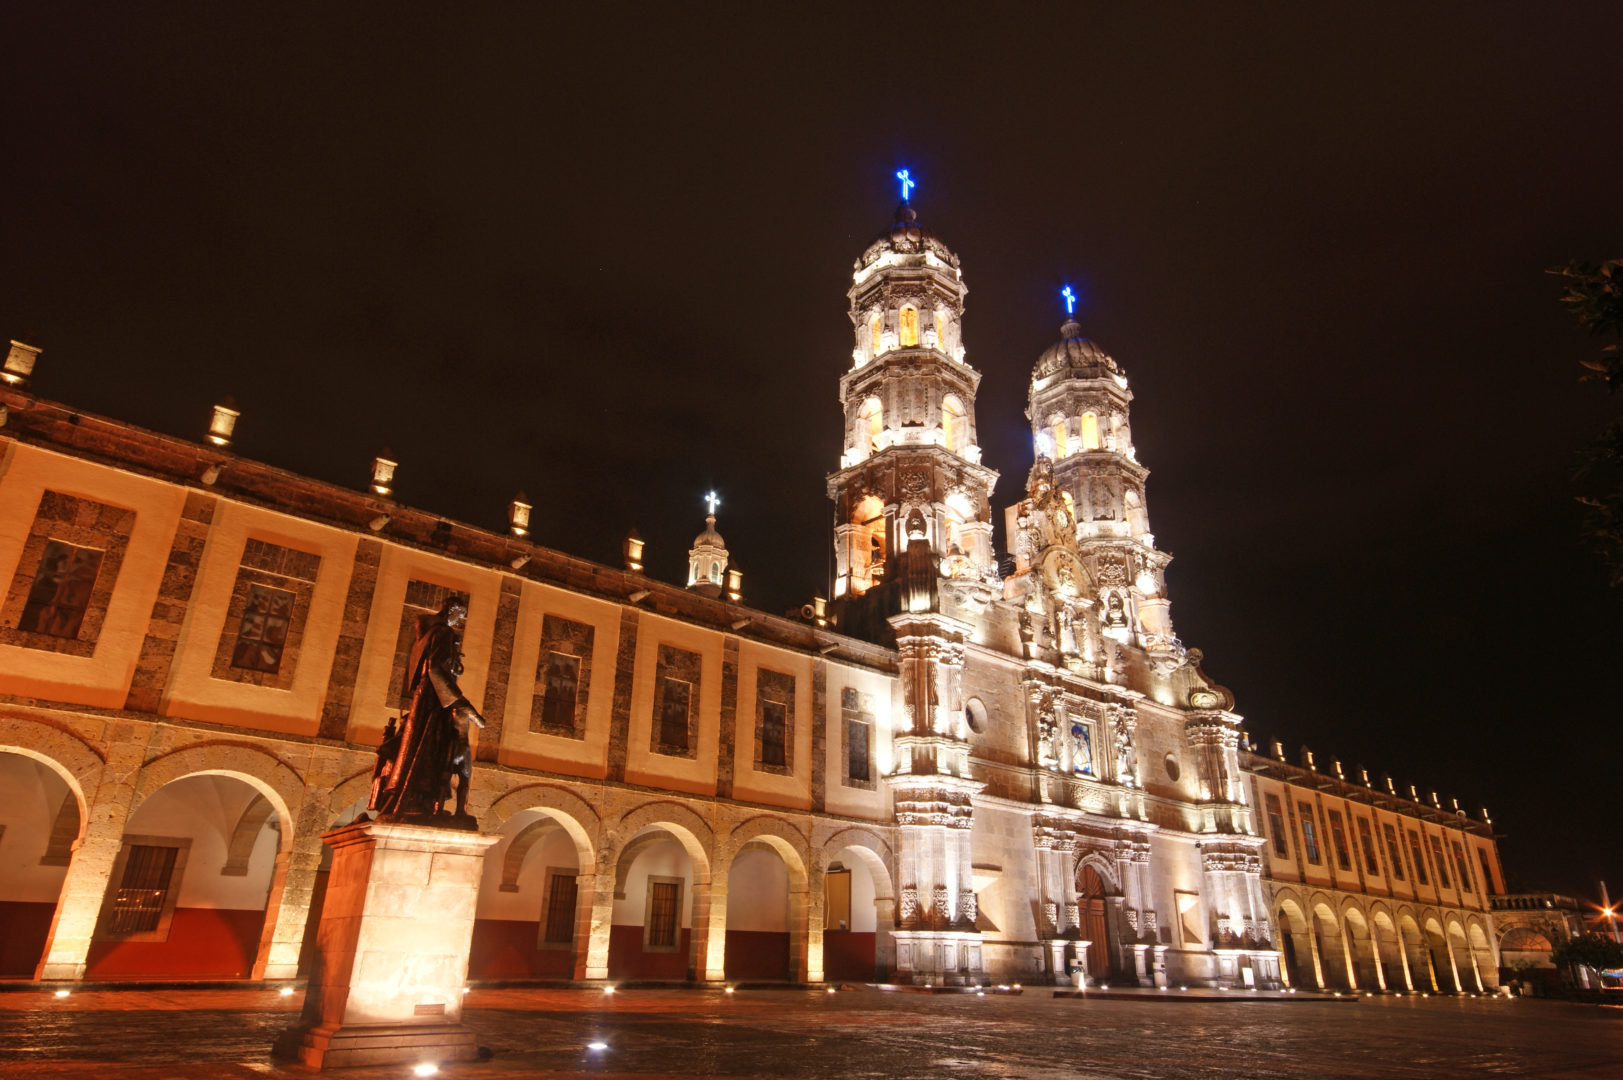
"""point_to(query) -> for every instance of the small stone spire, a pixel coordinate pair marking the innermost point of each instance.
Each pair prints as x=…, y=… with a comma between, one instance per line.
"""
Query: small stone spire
x=707, y=559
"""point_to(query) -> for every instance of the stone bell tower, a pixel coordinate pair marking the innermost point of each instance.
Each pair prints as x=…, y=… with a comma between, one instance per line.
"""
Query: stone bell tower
x=909, y=406
x=1078, y=407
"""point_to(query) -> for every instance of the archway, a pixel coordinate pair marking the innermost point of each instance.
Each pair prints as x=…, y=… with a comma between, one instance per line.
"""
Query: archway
x=859, y=908
x=1465, y=973
x=1295, y=947
x=1487, y=967
x=41, y=821
x=188, y=894
x=1442, y=964
x=759, y=922
x=1334, y=973
x=1361, y=951
x=651, y=933
x=1093, y=907
x=1421, y=976
x=528, y=923
x=1389, y=948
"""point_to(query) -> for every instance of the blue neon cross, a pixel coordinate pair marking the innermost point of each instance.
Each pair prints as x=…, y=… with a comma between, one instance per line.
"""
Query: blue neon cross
x=712, y=500
x=907, y=183
x=1070, y=300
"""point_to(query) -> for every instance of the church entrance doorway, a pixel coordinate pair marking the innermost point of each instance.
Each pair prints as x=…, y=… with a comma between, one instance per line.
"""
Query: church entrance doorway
x=1095, y=925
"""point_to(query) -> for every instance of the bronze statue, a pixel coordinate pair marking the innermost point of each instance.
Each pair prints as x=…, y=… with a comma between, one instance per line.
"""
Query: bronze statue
x=412, y=781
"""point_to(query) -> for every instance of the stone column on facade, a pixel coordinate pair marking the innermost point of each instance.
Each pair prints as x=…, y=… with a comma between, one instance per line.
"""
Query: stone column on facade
x=84, y=887
x=292, y=888
x=707, y=961
x=806, y=929
x=599, y=912
x=884, y=953
x=585, y=905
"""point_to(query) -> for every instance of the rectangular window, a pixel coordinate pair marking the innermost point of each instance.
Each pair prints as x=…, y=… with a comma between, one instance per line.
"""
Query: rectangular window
x=774, y=717
x=262, y=631
x=562, y=677
x=1441, y=861
x=1394, y=854
x=675, y=700
x=856, y=743
x=662, y=931
x=558, y=928
x=1277, y=827
x=673, y=726
x=1462, y=867
x=143, y=888
x=774, y=721
x=560, y=685
x=1338, y=837
x=1487, y=875
x=1366, y=840
x=1419, y=857
x=1310, y=836
x=61, y=591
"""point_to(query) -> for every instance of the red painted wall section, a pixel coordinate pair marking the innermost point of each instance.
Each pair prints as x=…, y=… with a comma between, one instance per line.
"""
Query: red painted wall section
x=848, y=955
x=628, y=961
x=23, y=929
x=506, y=949
x=757, y=954
x=212, y=943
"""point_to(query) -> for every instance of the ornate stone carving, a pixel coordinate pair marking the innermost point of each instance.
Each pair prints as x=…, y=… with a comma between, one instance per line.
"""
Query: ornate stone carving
x=969, y=908
x=939, y=908
x=907, y=908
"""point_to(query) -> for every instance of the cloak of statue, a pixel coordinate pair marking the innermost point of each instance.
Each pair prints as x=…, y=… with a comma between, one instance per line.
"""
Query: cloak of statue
x=431, y=747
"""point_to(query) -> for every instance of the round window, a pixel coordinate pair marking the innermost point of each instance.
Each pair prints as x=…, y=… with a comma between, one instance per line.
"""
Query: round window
x=975, y=714
x=1174, y=770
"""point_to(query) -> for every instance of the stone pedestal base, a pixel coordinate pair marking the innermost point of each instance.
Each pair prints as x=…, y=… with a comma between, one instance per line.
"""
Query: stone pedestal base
x=939, y=958
x=392, y=948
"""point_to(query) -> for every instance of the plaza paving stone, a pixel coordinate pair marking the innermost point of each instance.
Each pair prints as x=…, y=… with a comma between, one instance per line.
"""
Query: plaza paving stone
x=862, y=1033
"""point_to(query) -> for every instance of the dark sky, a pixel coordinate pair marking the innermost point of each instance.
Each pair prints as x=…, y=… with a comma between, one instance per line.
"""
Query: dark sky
x=605, y=261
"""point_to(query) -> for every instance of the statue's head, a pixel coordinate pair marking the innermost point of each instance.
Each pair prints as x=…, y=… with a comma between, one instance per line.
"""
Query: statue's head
x=454, y=611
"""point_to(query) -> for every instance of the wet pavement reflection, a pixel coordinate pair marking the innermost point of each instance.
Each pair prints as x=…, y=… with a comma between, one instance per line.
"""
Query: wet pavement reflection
x=858, y=1033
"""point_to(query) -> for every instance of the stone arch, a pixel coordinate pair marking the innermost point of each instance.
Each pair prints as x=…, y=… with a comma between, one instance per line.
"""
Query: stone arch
x=1466, y=972
x=1438, y=951
x=560, y=804
x=629, y=852
x=518, y=849
x=1388, y=947
x=78, y=762
x=1296, y=949
x=1483, y=954
x=689, y=828
x=805, y=906
x=1524, y=939
x=1362, y=957
x=1416, y=954
x=1330, y=944
x=348, y=791
x=870, y=848
x=1102, y=866
x=264, y=772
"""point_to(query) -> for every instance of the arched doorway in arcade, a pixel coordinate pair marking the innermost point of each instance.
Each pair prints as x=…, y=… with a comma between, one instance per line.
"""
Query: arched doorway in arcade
x=40, y=821
x=1295, y=948
x=188, y=892
x=652, y=930
x=758, y=919
x=1091, y=912
x=528, y=920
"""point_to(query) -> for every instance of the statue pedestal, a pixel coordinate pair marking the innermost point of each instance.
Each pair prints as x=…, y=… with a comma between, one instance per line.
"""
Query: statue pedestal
x=392, y=948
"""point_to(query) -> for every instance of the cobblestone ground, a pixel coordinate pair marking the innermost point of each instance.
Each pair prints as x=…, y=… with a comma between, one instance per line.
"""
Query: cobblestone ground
x=195, y=1034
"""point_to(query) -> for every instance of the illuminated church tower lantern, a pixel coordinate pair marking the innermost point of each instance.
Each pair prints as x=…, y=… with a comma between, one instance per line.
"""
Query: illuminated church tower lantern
x=909, y=406
x=707, y=558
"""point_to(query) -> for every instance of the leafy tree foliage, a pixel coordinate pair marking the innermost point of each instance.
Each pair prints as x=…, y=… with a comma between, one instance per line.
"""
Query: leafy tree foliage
x=1590, y=951
x=1595, y=297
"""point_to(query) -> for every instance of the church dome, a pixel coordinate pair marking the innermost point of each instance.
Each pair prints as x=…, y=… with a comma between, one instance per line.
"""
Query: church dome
x=1075, y=356
x=906, y=237
x=710, y=537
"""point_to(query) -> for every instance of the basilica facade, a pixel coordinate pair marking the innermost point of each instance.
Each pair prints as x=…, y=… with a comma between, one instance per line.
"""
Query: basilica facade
x=961, y=767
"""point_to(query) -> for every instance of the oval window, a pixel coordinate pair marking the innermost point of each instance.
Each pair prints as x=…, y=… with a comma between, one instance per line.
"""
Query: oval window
x=975, y=714
x=1174, y=770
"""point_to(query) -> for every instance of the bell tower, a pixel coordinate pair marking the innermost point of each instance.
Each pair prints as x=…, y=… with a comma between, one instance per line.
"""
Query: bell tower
x=909, y=407
x=1078, y=408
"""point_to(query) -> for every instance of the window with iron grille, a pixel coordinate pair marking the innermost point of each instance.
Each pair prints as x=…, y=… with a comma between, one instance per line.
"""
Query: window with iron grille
x=662, y=932
x=559, y=928
x=1310, y=835
x=1276, y=826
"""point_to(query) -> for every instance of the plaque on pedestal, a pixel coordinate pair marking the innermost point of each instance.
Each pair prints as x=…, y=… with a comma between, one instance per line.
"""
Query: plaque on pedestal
x=393, y=944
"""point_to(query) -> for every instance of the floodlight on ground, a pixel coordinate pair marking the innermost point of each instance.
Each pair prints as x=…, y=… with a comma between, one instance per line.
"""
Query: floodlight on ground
x=427, y=1068
x=608, y=989
x=597, y=1046
x=286, y=991
x=62, y=993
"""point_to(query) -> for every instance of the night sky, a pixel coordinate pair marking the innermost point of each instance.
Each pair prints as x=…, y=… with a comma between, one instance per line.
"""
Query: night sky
x=606, y=261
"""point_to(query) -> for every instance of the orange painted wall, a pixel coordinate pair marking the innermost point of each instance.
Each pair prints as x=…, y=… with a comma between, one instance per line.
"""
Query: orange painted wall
x=203, y=943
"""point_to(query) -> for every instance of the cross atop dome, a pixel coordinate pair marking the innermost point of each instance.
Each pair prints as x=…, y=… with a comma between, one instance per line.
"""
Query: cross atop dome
x=707, y=559
x=1070, y=300
x=908, y=183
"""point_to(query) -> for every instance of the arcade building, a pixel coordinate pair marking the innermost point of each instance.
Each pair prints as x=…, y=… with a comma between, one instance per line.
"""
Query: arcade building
x=962, y=767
